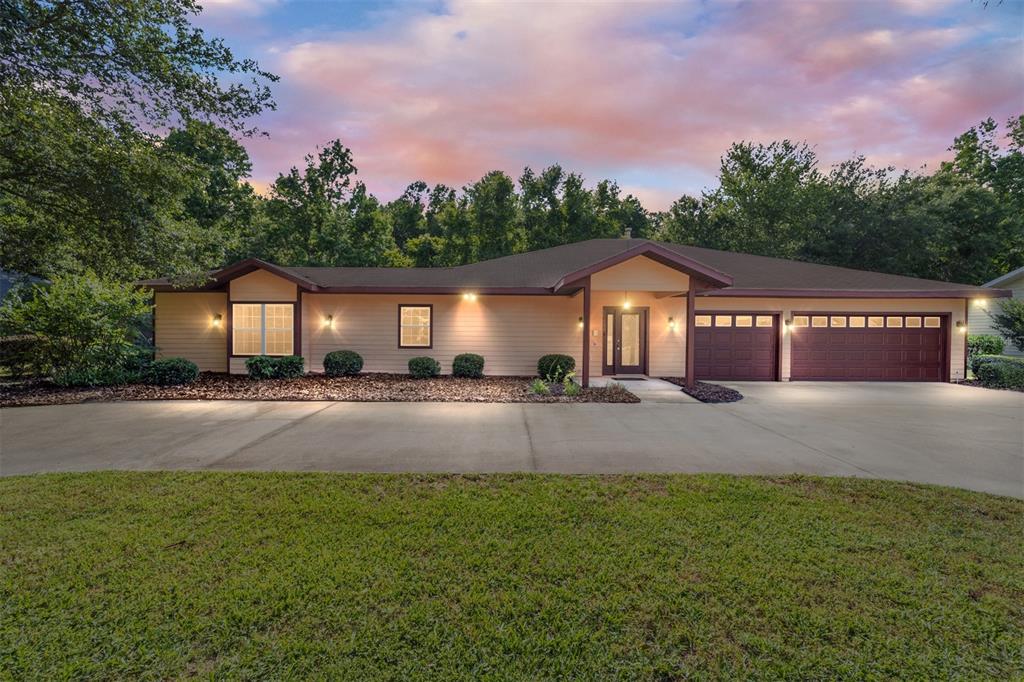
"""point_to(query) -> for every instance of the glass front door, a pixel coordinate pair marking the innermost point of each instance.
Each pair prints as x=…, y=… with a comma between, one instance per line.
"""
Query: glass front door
x=625, y=341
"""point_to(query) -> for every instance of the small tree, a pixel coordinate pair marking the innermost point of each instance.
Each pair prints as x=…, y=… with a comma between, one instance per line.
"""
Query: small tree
x=88, y=330
x=1009, y=321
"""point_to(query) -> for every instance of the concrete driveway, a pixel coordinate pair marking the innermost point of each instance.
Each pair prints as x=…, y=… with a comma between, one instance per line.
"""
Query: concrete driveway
x=934, y=433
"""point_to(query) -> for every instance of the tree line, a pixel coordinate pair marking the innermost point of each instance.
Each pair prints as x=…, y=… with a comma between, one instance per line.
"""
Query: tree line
x=86, y=184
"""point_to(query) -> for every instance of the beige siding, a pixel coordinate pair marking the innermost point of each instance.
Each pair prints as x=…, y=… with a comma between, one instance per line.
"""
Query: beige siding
x=511, y=332
x=786, y=306
x=667, y=347
x=639, y=274
x=184, y=328
x=262, y=286
x=981, y=323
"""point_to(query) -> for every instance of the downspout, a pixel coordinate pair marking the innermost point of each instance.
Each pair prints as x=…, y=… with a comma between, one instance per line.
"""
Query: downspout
x=585, y=376
x=690, y=313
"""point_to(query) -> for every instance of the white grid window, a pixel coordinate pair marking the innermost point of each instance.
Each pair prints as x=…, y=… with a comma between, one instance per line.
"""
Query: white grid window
x=414, y=326
x=262, y=328
x=246, y=328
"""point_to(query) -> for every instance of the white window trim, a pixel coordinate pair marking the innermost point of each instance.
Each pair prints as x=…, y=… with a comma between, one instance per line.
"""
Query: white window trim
x=429, y=326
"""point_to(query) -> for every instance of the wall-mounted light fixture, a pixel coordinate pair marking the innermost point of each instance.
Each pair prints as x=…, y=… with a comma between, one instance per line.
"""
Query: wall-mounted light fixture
x=672, y=323
x=961, y=326
x=980, y=302
x=581, y=322
x=328, y=320
x=216, y=320
x=469, y=297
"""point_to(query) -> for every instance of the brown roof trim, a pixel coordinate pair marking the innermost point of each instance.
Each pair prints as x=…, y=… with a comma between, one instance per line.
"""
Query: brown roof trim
x=655, y=253
x=248, y=265
x=860, y=293
x=453, y=291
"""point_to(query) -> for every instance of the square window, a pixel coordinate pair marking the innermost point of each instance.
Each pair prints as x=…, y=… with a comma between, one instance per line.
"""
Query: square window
x=876, y=321
x=933, y=322
x=744, y=321
x=723, y=320
x=895, y=322
x=800, y=320
x=765, y=321
x=262, y=328
x=838, y=321
x=414, y=326
x=702, y=320
x=819, y=321
x=856, y=321
x=913, y=321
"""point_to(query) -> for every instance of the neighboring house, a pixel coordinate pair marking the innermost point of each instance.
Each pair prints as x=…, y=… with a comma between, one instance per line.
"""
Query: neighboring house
x=618, y=306
x=981, y=323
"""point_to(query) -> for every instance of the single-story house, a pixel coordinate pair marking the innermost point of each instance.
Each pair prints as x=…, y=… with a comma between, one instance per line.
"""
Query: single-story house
x=618, y=306
x=979, y=320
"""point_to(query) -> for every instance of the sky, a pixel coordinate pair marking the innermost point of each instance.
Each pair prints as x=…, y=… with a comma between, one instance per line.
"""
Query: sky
x=648, y=94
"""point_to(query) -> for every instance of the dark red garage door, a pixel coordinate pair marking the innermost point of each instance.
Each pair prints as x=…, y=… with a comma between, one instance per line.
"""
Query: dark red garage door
x=737, y=346
x=845, y=347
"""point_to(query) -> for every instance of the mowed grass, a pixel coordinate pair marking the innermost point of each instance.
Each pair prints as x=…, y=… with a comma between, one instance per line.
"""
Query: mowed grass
x=239, y=575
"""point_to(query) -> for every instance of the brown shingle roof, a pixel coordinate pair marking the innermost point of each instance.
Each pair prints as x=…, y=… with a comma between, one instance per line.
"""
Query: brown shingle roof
x=541, y=271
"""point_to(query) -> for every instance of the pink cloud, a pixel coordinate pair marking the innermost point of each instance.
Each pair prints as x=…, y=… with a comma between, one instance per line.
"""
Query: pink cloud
x=447, y=97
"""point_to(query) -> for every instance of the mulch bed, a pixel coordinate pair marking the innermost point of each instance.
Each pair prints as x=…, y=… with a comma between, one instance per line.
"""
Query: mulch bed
x=360, y=388
x=705, y=392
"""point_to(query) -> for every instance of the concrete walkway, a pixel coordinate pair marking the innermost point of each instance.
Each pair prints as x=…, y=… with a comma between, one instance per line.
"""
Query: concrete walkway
x=648, y=389
x=934, y=433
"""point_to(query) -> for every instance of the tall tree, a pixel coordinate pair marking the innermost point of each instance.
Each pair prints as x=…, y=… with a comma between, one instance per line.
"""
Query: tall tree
x=83, y=87
x=493, y=213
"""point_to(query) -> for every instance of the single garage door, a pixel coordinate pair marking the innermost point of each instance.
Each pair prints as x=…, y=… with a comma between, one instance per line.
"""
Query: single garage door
x=736, y=346
x=890, y=347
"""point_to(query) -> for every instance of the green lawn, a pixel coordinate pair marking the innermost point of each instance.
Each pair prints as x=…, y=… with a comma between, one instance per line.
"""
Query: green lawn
x=128, y=575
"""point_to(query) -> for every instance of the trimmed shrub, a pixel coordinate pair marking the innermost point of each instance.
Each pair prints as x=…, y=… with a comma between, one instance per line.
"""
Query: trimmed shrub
x=469, y=365
x=984, y=344
x=260, y=367
x=267, y=367
x=171, y=372
x=341, y=363
x=555, y=366
x=977, y=361
x=289, y=367
x=1002, y=373
x=424, y=367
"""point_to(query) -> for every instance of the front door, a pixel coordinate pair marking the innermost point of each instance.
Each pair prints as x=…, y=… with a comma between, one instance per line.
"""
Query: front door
x=625, y=341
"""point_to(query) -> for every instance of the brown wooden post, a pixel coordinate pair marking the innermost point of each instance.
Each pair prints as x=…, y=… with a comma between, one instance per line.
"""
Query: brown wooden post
x=690, y=305
x=585, y=372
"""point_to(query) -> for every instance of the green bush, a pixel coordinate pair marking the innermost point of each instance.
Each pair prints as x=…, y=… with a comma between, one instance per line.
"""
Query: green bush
x=340, y=363
x=261, y=367
x=1002, y=373
x=19, y=354
x=424, y=367
x=171, y=372
x=978, y=360
x=469, y=365
x=1009, y=321
x=984, y=344
x=89, y=331
x=289, y=367
x=267, y=367
x=554, y=367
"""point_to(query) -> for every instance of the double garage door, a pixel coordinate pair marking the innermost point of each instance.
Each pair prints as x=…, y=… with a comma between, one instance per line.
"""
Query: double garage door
x=844, y=347
x=741, y=346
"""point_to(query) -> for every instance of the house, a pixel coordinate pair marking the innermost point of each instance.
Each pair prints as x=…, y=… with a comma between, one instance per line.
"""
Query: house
x=618, y=306
x=981, y=323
